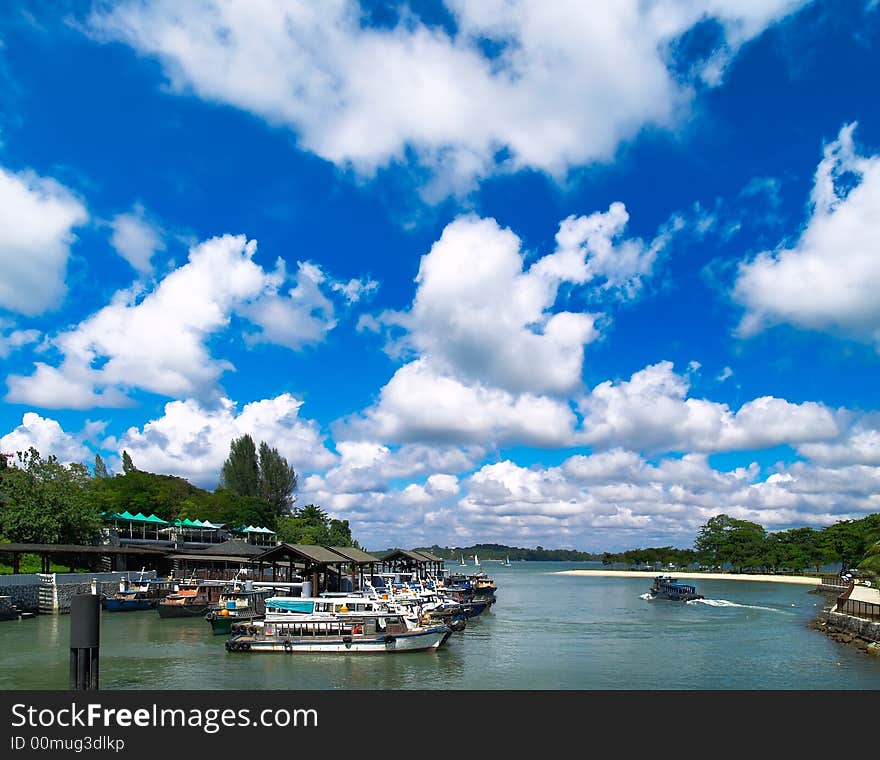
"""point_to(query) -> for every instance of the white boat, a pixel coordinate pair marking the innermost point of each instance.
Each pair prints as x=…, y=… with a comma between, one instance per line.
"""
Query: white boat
x=476, y=561
x=506, y=562
x=463, y=563
x=339, y=634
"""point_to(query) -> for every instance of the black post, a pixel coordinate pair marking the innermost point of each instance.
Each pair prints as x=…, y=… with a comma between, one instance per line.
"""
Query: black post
x=85, y=641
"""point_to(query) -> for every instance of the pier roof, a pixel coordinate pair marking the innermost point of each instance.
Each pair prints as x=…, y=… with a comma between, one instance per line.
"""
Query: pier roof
x=356, y=556
x=313, y=554
x=404, y=554
x=427, y=555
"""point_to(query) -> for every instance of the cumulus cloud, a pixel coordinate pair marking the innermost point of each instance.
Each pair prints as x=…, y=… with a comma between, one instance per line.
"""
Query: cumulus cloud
x=828, y=280
x=563, y=85
x=156, y=340
x=47, y=437
x=651, y=411
x=136, y=238
x=15, y=339
x=37, y=219
x=192, y=440
x=418, y=404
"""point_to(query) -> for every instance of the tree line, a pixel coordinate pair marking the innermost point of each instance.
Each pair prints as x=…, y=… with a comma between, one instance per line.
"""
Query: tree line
x=725, y=541
x=44, y=501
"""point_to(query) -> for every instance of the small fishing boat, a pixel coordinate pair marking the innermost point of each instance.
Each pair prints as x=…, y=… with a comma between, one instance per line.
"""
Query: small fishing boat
x=241, y=603
x=193, y=599
x=142, y=595
x=338, y=634
x=667, y=587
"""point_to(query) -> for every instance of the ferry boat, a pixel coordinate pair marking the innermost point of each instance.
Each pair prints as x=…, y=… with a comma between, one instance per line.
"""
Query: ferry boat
x=193, y=599
x=369, y=633
x=667, y=587
x=238, y=604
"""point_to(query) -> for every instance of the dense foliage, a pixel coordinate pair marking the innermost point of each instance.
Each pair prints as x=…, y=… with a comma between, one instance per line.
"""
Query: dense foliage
x=265, y=475
x=311, y=525
x=44, y=501
x=727, y=542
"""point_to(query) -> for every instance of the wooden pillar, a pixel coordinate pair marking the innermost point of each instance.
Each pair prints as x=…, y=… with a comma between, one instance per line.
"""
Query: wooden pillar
x=16, y=564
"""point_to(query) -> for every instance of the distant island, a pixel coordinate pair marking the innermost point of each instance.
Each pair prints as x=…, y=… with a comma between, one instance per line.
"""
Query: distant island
x=501, y=552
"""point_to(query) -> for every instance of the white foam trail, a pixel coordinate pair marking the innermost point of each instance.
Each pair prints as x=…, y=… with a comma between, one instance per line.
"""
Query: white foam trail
x=646, y=595
x=725, y=603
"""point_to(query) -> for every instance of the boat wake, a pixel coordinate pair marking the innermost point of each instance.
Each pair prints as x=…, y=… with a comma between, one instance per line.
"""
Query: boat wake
x=725, y=603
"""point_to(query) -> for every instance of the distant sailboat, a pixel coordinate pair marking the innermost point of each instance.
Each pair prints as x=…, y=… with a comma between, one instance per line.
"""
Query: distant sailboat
x=507, y=562
x=476, y=560
x=463, y=563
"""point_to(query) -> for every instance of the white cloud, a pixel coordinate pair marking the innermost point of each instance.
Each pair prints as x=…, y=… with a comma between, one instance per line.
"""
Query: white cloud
x=482, y=316
x=136, y=238
x=828, y=280
x=418, y=404
x=651, y=412
x=192, y=441
x=157, y=340
x=15, y=339
x=860, y=445
x=568, y=83
x=47, y=437
x=37, y=218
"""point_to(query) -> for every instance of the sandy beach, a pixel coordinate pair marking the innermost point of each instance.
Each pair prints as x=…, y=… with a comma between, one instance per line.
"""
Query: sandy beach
x=801, y=579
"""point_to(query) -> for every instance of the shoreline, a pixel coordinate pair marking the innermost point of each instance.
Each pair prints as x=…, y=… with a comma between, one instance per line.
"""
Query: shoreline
x=804, y=580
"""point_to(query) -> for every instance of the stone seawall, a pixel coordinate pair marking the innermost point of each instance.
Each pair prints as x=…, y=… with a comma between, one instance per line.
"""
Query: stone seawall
x=52, y=594
x=847, y=629
x=26, y=598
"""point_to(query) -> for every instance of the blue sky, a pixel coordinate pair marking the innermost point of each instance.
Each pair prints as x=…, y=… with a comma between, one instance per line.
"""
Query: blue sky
x=520, y=272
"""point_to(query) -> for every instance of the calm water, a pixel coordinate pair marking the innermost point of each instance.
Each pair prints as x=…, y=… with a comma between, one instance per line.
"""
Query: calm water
x=546, y=631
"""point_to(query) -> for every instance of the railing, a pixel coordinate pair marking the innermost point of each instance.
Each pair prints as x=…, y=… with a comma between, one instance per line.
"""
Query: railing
x=834, y=580
x=858, y=608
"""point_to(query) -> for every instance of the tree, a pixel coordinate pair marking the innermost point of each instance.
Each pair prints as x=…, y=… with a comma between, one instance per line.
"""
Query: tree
x=127, y=464
x=101, y=468
x=241, y=472
x=269, y=476
x=43, y=501
x=724, y=539
x=277, y=479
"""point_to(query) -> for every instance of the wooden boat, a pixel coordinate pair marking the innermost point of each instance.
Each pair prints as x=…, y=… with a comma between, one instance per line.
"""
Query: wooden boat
x=667, y=587
x=241, y=603
x=143, y=595
x=192, y=599
x=338, y=634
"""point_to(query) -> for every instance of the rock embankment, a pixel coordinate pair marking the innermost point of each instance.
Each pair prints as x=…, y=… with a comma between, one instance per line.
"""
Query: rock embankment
x=852, y=631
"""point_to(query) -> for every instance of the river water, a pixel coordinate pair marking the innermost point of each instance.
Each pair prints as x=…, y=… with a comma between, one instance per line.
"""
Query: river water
x=546, y=631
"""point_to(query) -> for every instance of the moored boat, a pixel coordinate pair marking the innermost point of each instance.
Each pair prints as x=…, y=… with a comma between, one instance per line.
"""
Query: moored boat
x=338, y=634
x=238, y=604
x=143, y=595
x=193, y=599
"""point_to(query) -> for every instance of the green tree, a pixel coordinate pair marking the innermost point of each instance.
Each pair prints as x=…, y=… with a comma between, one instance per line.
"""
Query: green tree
x=127, y=464
x=101, y=468
x=44, y=501
x=726, y=540
x=277, y=479
x=240, y=473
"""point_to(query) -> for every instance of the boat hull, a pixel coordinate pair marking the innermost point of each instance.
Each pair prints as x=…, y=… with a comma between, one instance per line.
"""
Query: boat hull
x=183, y=610
x=411, y=641
x=222, y=624
x=128, y=605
